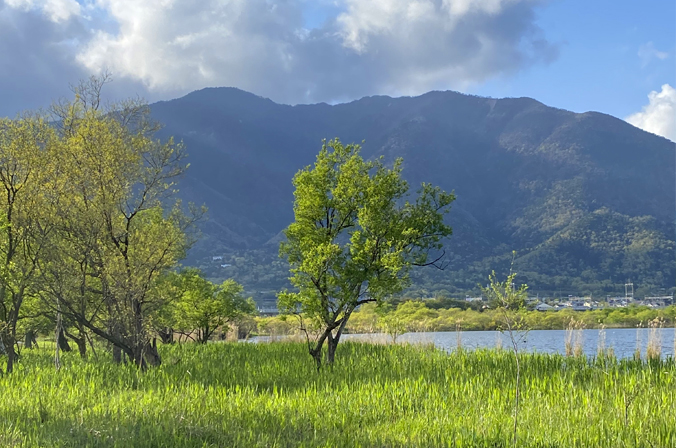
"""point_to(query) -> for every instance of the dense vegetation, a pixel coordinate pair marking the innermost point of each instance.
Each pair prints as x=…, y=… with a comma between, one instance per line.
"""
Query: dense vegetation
x=270, y=395
x=446, y=315
x=89, y=225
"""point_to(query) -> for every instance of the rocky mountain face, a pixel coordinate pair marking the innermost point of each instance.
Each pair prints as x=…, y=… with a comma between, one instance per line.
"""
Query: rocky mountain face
x=587, y=200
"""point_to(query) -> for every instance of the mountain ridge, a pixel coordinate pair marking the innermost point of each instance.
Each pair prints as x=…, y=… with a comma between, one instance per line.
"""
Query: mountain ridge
x=522, y=172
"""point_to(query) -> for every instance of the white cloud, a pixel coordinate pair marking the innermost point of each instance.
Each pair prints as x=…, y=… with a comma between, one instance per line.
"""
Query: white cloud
x=402, y=17
x=378, y=46
x=182, y=44
x=659, y=116
x=648, y=52
x=56, y=10
x=165, y=48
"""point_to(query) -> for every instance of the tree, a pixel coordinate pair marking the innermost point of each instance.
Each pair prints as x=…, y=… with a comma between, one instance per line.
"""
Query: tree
x=354, y=240
x=509, y=300
x=28, y=185
x=391, y=323
x=167, y=290
x=204, y=307
x=117, y=230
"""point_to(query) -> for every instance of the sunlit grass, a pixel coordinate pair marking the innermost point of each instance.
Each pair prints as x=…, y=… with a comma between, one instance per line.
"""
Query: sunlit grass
x=269, y=395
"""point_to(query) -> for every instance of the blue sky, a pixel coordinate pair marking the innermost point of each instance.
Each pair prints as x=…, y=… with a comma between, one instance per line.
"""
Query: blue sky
x=598, y=67
x=616, y=57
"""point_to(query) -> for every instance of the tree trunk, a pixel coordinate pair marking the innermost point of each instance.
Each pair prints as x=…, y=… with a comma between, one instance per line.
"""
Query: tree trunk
x=138, y=357
x=204, y=335
x=82, y=347
x=332, y=344
x=91, y=345
x=7, y=348
x=29, y=339
x=80, y=340
x=316, y=351
x=316, y=354
x=166, y=335
x=11, y=357
x=152, y=356
x=117, y=354
x=81, y=343
x=147, y=355
x=333, y=340
x=63, y=342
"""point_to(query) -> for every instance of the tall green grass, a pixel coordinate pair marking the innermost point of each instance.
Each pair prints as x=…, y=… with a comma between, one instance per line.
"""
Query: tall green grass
x=269, y=395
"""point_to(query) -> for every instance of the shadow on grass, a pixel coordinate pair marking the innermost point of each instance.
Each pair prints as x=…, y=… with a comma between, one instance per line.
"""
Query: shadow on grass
x=254, y=429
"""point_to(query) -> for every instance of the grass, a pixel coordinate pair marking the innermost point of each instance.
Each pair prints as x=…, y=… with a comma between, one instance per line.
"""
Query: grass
x=269, y=395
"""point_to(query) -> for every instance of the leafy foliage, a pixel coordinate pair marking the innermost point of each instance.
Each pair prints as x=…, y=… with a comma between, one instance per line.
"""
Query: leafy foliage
x=28, y=182
x=88, y=222
x=203, y=307
x=353, y=240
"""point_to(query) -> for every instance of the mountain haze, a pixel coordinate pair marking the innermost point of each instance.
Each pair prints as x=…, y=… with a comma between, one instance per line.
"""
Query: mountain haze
x=587, y=200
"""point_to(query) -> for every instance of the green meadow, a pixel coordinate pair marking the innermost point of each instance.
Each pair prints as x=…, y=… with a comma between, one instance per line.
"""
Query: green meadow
x=270, y=395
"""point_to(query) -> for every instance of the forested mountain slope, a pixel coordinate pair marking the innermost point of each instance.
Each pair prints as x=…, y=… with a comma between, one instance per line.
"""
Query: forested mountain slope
x=586, y=200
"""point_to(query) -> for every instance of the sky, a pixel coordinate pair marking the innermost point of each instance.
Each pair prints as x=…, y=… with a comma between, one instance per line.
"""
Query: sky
x=615, y=57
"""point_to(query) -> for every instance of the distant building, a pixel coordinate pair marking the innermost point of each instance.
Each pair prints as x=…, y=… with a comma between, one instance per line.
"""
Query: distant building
x=658, y=302
x=217, y=257
x=581, y=303
x=545, y=307
x=618, y=302
x=226, y=265
x=474, y=299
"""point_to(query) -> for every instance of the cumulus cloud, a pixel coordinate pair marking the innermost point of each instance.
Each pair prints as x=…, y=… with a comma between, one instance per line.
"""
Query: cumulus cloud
x=169, y=47
x=659, y=116
x=378, y=46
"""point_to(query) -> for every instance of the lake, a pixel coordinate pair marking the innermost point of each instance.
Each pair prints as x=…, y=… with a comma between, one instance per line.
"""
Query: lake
x=622, y=340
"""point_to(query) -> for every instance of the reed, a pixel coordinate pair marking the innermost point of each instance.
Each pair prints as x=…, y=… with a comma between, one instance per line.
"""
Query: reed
x=270, y=395
x=574, y=339
x=637, y=350
x=570, y=328
x=601, y=345
x=578, y=349
x=458, y=335
x=654, y=349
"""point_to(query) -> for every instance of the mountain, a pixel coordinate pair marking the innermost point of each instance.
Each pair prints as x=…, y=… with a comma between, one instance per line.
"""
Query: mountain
x=587, y=200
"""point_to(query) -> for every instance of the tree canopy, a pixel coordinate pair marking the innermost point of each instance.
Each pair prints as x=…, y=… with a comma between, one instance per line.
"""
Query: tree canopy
x=355, y=238
x=88, y=221
x=201, y=307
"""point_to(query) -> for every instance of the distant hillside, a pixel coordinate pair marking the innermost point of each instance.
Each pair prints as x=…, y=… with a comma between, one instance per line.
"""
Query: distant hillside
x=586, y=200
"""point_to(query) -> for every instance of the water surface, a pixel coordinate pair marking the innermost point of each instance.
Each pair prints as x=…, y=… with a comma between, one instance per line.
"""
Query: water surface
x=623, y=341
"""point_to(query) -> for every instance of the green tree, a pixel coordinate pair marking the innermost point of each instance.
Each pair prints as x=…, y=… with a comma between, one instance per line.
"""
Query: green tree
x=116, y=221
x=167, y=292
x=355, y=238
x=204, y=307
x=28, y=148
x=390, y=322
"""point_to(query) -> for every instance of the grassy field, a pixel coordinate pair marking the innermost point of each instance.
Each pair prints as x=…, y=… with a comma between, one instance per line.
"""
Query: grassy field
x=269, y=395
